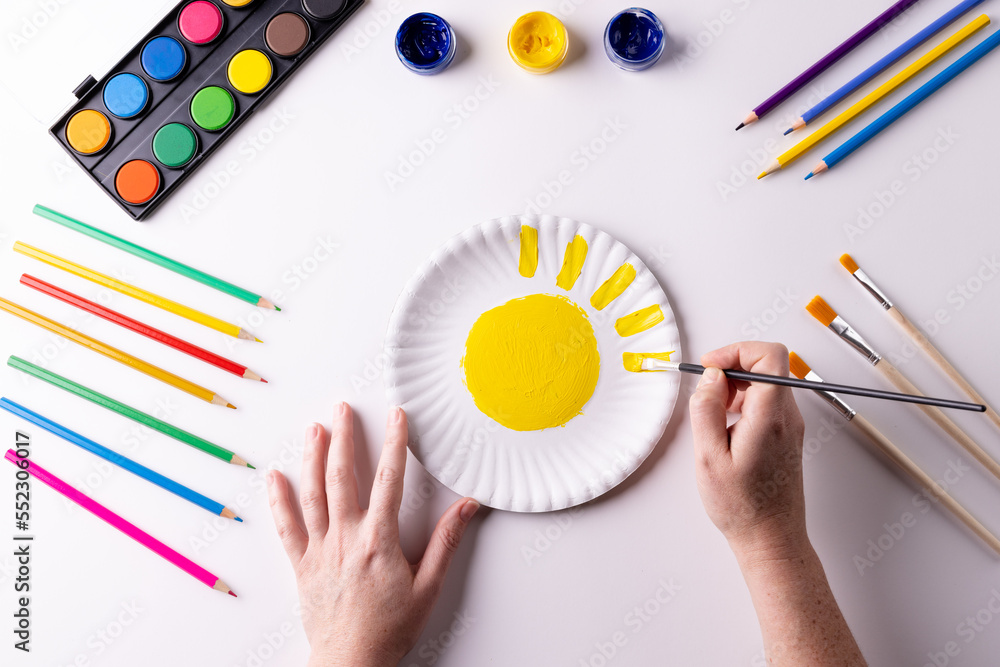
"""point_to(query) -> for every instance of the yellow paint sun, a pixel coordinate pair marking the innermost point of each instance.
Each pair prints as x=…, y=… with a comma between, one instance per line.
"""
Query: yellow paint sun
x=533, y=362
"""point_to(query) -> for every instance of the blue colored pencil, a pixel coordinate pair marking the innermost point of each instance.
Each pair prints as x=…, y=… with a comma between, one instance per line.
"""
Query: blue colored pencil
x=901, y=109
x=882, y=65
x=119, y=460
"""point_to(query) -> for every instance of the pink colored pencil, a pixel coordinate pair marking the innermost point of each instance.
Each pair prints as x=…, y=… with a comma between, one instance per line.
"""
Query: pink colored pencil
x=136, y=533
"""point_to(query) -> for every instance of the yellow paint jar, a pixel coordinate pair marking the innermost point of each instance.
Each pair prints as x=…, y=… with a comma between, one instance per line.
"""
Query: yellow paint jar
x=538, y=42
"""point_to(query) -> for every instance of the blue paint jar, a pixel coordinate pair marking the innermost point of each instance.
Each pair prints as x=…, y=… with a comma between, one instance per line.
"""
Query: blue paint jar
x=634, y=39
x=425, y=43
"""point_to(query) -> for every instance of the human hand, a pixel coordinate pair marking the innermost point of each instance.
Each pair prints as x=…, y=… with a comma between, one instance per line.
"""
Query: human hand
x=364, y=604
x=750, y=474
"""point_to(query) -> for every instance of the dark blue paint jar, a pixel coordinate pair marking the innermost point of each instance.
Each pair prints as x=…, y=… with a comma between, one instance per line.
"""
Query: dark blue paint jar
x=425, y=43
x=634, y=39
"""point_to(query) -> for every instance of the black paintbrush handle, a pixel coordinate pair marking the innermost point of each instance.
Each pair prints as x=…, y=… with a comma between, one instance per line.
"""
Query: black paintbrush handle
x=837, y=388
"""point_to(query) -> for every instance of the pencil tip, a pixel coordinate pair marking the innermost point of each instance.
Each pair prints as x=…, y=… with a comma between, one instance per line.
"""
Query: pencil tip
x=251, y=467
x=762, y=175
x=238, y=519
x=277, y=309
x=809, y=175
x=230, y=405
x=789, y=131
x=264, y=381
x=740, y=126
x=233, y=594
x=258, y=340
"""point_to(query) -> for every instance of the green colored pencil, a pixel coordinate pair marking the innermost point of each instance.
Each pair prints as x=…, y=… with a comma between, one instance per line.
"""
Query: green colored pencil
x=154, y=257
x=126, y=411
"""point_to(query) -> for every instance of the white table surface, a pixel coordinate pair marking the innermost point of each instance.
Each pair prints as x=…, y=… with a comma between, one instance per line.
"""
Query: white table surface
x=308, y=215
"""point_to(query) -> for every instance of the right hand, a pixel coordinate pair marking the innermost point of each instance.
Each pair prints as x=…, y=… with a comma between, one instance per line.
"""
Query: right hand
x=750, y=474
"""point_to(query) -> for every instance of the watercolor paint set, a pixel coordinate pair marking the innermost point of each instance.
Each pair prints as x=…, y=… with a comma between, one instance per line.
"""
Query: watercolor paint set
x=185, y=87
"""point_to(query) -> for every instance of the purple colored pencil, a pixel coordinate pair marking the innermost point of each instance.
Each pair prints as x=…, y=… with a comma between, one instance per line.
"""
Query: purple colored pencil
x=826, y=61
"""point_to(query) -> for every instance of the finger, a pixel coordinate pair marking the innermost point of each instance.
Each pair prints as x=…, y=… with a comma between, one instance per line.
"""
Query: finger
x=293, y=538
x=341, y=484
x=387, y=490
x=756, y=357
x=312, y=494
x=443, y=544
x=708, y=415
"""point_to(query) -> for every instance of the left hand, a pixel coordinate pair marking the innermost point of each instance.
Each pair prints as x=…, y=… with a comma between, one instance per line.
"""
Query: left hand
x=363, y=602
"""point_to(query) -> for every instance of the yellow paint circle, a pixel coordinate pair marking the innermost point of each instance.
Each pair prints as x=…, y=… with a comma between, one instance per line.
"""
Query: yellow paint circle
x=538, y=42
x=237, y=3
x=88, y=131
x=532, y=363
x=249, y=71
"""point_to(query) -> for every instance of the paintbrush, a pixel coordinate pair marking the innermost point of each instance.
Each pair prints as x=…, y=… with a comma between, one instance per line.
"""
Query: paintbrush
x=916, y=335
x=801, y=370
x=822, y=311
x=647, y=363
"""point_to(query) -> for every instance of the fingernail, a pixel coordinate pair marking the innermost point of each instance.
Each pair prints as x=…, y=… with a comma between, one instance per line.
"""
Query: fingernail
x=710, y=376
x=339, y=408
x=313, y=431
x=395, y=414
x=270, y=477
x=468, y=510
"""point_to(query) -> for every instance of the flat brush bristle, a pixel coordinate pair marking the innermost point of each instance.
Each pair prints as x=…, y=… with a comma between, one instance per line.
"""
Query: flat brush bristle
x=821, y=310
x=799, y=368
x=848, y=263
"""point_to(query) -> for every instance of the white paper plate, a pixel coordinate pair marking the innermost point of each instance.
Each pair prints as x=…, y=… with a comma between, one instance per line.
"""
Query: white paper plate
x=526, y=471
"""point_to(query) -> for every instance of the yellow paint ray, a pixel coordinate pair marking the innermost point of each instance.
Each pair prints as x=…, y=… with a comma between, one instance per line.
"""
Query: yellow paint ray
x=639, y=321
x=528, y=261
x=633, y=360
x=613, y=287
x=576, y=255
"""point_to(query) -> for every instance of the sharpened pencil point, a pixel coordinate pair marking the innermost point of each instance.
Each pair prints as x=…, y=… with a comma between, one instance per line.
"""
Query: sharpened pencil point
x=740, y=126
x=277, y=309
x=809, y=175
x=233, y=594
x=789, y=131
x=258, y=340
x=264, y=381
x=251, y=467
x=762, y=175
x=230, y=405
x=238, y=519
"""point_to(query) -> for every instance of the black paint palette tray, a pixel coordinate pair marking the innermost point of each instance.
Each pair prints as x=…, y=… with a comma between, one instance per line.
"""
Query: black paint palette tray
x=185, y=88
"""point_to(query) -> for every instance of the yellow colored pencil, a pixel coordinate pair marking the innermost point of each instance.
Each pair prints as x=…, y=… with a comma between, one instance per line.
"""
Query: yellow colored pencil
x=114, y=353
x=876, y=95
x=135, y=292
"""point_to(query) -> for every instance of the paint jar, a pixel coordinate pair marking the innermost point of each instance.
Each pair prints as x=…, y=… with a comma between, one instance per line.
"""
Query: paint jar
x=538, y=42
x=425, y=43
x=634, y=39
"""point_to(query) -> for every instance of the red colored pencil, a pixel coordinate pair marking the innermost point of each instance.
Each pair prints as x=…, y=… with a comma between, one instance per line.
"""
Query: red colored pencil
x=140, y=328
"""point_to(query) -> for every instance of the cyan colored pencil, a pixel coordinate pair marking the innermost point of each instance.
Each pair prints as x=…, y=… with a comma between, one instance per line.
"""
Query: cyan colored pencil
x=901, y=109
x=883, y=64
x=118, y=459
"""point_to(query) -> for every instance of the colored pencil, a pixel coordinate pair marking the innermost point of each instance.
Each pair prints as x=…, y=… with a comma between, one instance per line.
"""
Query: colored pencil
x=112, y=519
x=907, y=105
x=650, y=364
x=872, y=98
x=826, y=61
x=154, y=257
x=119, y=460
x=140, y=328
x=134, y=292
x=801, y=370
x=822, y=311
x=916, y=335
x=114, y=353
x=127, y=411
x=883, y=64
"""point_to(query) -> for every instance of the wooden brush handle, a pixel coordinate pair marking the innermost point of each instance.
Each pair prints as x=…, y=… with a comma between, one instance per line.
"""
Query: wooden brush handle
x=897, y=456
x=920, y=339
x=939, y=418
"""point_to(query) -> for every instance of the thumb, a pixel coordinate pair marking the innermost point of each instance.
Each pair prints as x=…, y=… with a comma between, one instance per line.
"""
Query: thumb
x=708, y=414
x=443, y=545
